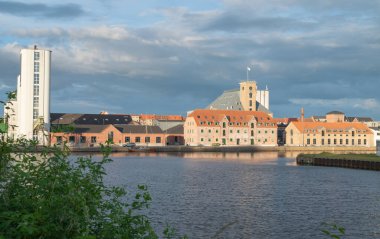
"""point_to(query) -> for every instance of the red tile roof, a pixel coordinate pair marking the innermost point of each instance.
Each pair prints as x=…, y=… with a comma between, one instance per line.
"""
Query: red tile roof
x=237, y=118
x=301, y=126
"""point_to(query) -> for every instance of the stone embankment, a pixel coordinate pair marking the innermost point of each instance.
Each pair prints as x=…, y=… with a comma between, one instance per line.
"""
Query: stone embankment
x=187, y=149
x=338, y=162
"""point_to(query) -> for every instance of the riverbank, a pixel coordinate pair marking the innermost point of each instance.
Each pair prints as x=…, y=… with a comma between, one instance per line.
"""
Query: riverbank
x=356, y=161
x=188, y=149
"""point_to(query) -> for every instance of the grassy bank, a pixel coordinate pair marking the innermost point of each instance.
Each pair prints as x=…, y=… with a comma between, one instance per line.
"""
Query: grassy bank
x=361, y=157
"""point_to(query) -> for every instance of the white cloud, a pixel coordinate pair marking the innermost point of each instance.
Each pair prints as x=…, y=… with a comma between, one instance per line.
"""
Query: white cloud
x=368, y=104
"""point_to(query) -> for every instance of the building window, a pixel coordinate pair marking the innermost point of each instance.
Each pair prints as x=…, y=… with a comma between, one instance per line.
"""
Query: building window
x=82, y=139
x=291, y=140
x=36, y=56
x=291, y=132
x=36, y=67
x=231, y=131
x=252, y=133
x=347, y=141
x=158, y=140
x=137, y=139
x=314, y=141
x=252, y=125
x=238, y=131
x=224, y=124
x=359, y=141
x=329, y=141
x=147, y=139
x=353, y=133
x=334, y=141
x=127, y=139
x=72, y=139
x=323, y=142
x=59, y=139
x=201, y=130
x=35, y=113
x=201, y=139
x=209, y=130
x=250, y=103
x=36, y=90
x=35, y=101
x=93, y=139
x=365, y=141
x=323, y=133
x=250, y=96
x=308, y=141
x=353, y=141
x=36, y=78
x=224, y=132
x=341, y=141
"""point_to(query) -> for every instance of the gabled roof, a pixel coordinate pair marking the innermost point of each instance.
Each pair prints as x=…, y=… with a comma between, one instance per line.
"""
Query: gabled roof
x=139, y=129
x=301, y=126
x=237, y=117
x=178, y=129
x=359, y=119
x=90, y=128
x=89, y=119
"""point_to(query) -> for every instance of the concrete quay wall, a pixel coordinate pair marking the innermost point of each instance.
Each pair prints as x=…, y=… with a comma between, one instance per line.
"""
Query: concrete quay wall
x=235, y=149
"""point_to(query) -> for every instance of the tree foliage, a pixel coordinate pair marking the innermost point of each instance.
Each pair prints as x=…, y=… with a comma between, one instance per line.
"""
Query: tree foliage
x=49, y=195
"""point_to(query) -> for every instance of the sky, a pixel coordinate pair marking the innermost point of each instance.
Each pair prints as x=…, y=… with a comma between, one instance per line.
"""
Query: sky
x=171, y=56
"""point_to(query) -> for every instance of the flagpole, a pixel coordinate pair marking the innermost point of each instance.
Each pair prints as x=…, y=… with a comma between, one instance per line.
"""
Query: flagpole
x=247, y=73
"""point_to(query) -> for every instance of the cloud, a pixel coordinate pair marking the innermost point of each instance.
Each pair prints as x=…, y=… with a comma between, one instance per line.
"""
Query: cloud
x=21, y=9
x=342, y=103
x=186, y=58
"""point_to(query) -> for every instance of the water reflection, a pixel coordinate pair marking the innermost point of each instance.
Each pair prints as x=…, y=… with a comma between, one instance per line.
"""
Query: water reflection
x=199, y=193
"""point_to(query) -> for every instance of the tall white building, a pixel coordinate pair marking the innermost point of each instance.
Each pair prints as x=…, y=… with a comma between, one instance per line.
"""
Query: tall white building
x=31, y=109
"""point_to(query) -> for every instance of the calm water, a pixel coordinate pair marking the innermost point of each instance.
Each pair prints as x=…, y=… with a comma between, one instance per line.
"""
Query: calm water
x=259, y=195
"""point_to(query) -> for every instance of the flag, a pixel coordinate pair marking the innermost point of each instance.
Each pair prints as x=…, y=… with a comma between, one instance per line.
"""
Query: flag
x=248, y=68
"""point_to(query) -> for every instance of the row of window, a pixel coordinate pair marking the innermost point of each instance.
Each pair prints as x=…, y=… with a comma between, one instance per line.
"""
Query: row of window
x=127, y=139
x=335, y=141
x=341, y=135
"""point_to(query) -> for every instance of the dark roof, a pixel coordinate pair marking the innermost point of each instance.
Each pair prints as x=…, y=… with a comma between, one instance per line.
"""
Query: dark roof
x=178, y=129
x=335, y=113
x=89, y=128
x=360, y=119
x=139, y=129
x=86, y=119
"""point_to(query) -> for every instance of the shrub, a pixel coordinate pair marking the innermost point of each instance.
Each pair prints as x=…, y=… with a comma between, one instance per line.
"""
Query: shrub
x=48, y=195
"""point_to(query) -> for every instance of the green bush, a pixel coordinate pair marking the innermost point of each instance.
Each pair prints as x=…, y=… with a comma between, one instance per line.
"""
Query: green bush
x=48, y=195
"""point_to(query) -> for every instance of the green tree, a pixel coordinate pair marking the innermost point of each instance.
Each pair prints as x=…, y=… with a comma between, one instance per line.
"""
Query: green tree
x=49, y=195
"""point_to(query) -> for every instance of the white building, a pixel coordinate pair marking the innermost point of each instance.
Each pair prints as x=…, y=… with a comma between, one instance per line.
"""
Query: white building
x=30, y=112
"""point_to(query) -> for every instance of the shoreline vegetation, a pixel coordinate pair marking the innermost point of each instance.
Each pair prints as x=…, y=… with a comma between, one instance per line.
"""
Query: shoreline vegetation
x=48, y=195
x=355, y=161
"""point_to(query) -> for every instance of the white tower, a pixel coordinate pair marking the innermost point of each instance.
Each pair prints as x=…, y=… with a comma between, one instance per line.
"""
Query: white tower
x=33, y=95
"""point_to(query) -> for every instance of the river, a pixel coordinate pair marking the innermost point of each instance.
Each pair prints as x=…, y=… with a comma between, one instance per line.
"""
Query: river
x=251, y=195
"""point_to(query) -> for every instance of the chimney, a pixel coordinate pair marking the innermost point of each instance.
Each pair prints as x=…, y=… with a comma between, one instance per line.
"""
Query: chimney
x=302, y=114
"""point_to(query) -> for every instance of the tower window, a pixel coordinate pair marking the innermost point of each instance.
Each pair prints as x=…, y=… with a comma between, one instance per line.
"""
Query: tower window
x=36, y=90
x=36, y=56
x=35, y=113
x=250, y=95
x=36, y=79
x=250, y=88
x=36, y=67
